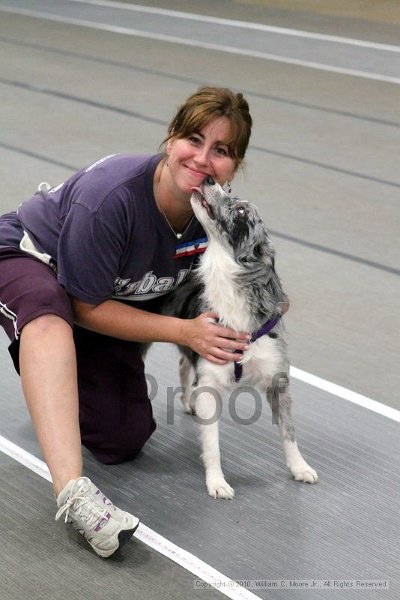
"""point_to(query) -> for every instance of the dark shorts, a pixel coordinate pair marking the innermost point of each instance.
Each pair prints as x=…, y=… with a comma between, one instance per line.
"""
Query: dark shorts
x=115, y=412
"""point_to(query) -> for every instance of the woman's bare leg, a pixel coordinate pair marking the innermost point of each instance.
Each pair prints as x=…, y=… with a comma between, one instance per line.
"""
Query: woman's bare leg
x=49, y=381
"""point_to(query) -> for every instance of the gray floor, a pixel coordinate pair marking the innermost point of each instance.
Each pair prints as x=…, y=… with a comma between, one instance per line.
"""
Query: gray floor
x=344, y=528
x=43, y=560
x=323, y=167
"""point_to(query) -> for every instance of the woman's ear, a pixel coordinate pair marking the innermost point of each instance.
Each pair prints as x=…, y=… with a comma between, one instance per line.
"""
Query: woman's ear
x=169, y=146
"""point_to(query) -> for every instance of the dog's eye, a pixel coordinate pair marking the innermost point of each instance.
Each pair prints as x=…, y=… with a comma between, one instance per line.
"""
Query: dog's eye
x=241, y=211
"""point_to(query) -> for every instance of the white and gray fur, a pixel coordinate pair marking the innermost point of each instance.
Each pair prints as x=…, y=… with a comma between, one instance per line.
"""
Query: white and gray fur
x=236, y=279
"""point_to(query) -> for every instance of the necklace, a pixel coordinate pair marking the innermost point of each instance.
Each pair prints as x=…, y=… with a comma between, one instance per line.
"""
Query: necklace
x=176, y=234
x=179, y=235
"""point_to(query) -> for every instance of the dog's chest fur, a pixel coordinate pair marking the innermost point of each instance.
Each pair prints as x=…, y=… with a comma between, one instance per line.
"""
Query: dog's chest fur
x=222, y=293
x=225, y=293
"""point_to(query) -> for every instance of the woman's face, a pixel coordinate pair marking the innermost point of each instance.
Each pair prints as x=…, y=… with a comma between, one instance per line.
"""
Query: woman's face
x=202, y=154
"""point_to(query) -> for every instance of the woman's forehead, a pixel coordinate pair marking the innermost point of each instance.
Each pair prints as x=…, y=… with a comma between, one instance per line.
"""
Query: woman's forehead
x=219, y=129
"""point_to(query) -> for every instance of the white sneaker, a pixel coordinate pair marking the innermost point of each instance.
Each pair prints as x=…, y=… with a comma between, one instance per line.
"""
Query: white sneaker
x=105, y=526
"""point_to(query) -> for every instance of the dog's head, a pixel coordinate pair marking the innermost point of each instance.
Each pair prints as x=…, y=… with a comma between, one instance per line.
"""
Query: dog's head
x=233, y=222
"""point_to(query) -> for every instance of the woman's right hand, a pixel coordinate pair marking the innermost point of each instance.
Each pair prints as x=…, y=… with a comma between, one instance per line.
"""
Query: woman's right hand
x=213, y=341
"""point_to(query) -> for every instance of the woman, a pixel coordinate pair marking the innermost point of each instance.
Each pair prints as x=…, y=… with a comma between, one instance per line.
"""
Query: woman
x=83, y=269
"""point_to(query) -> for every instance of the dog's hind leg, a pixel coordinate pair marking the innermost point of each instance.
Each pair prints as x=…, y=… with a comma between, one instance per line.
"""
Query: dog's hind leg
x=186, y=374
x=280, y=399
x=208, y=410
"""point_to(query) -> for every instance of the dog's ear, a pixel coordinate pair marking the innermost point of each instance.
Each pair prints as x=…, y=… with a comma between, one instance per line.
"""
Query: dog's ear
x=257, y=247
x=274, y=287
x=272, y=281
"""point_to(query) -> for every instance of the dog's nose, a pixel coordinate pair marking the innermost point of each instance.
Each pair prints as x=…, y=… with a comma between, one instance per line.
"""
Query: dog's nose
x=209, y=181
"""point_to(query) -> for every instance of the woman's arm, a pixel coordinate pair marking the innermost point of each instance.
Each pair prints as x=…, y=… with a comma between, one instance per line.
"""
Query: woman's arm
x=115, y=319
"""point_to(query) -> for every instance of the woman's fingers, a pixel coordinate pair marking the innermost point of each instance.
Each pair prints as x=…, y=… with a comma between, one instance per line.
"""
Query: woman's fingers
x=217, y=343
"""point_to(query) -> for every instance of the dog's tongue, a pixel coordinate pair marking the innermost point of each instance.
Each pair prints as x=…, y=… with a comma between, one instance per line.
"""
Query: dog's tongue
x=196, y=189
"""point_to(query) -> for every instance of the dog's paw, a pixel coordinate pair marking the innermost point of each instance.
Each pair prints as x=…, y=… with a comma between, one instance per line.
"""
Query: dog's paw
x=188, y=406
x=189, y=410
x=303, y=472
x=217, y=487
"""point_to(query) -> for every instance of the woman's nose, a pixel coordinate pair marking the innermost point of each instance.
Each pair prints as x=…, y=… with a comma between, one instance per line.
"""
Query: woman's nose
x=202, y=156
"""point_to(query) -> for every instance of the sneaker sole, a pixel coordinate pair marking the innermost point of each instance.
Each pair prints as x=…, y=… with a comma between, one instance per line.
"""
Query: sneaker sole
x=123, y=537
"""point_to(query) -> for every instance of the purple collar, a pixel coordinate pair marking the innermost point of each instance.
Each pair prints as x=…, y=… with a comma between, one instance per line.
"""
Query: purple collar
x=264, y=329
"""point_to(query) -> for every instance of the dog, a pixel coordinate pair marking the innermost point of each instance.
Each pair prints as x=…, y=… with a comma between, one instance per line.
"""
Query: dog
x=236, y=279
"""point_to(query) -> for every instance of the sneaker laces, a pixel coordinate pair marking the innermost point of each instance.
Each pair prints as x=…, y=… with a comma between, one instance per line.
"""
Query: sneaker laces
x=78, y=502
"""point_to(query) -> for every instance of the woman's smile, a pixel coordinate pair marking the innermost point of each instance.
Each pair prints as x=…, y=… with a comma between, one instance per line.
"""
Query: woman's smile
x=196, y=173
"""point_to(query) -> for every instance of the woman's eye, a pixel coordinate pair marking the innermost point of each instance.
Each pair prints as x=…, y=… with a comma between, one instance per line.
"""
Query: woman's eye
x=194, y=139
x=222, y=151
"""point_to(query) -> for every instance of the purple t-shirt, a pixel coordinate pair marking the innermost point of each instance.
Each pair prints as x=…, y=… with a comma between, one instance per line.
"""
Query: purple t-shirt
x=103, y=229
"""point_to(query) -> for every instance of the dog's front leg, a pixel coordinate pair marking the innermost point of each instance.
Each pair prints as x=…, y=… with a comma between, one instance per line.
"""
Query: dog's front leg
x=186, y=374
x=208, y=410
x=280, y=400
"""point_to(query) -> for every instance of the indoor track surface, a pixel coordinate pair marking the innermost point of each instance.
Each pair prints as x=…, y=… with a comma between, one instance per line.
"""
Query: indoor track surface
x=83, y=79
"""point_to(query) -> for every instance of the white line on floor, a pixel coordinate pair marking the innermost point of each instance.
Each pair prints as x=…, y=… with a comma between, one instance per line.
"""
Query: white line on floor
x=146, y=535
x=177, y=14
x=197, y=44
x=346, y=394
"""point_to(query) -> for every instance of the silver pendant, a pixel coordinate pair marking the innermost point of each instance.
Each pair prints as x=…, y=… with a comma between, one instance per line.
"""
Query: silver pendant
x=178, y=236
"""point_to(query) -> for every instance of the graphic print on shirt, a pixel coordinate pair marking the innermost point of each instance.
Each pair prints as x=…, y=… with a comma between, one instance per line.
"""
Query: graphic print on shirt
x=148, y=287
x=189, y=248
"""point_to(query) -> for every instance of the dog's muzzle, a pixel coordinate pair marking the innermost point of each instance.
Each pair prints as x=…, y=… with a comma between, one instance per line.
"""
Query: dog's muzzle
x=208, y=181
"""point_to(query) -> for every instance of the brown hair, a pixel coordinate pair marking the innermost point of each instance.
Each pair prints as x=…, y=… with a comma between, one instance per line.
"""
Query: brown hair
x=209, y=103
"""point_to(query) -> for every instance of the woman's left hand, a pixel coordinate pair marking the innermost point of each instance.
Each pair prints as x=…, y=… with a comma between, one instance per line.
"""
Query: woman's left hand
x=212, y=341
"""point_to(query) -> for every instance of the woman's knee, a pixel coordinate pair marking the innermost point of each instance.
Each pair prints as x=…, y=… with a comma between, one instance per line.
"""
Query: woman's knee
x=46, y=323
x=119, y=448
x=45, y=307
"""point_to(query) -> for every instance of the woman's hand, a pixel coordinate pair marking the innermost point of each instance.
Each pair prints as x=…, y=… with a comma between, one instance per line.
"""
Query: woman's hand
x=214, y=342
x=285, y=306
